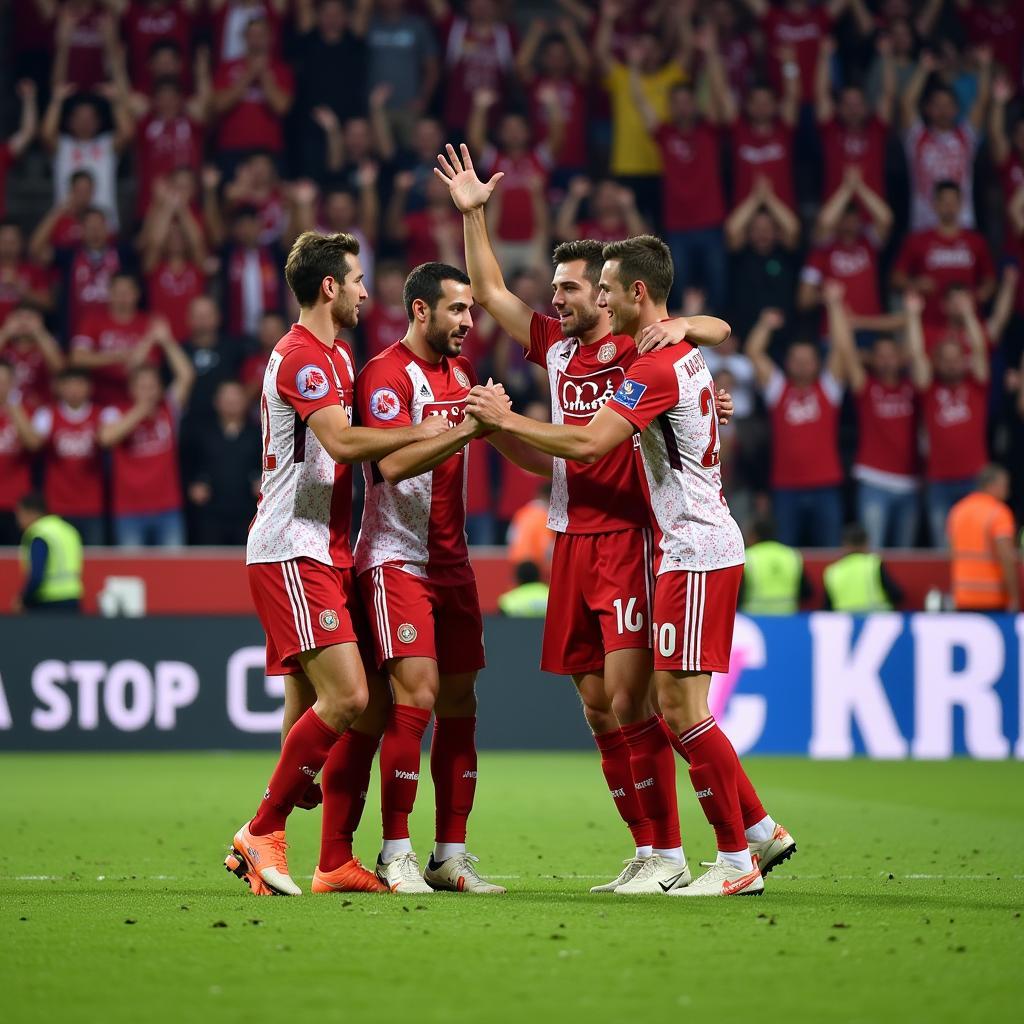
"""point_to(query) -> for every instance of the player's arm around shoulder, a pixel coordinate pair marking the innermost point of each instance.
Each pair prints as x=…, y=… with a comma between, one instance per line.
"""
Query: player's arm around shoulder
x=702, y=330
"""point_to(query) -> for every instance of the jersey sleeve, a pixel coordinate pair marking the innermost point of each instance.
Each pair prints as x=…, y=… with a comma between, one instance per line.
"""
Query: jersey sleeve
x=545, y=331
x=650, y=389
x=383, y=396
x=305, y=380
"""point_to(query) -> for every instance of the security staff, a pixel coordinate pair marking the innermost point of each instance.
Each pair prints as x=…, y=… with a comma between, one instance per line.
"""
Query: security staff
x=773, y=578
x=51, y=552
x=528, y=600
x=858, y=582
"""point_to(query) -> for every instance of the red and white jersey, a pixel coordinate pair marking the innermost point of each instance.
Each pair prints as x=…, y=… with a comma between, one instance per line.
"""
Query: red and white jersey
x=955, y=419
x=887, y=434
x=145, y=464
x=417, y=524
x=606, y=495
x=15, y=464
x=669, y=396
x=74, y=466
x=935, y=156
x=305, y=503
x=805, y=431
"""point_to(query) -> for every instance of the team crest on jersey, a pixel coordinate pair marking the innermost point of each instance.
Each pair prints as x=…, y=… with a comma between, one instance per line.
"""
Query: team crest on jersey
x=461, y=377
x=384, y=404
x=329, y=619
x=630, y=393
x=606, y=353
x=407, y=632
x=311, y=382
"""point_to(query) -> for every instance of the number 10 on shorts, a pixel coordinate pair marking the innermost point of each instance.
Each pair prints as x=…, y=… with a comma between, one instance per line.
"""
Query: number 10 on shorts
x=627, y=619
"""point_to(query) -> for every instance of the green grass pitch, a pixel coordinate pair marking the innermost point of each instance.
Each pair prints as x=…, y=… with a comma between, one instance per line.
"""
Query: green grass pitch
x=903, y=904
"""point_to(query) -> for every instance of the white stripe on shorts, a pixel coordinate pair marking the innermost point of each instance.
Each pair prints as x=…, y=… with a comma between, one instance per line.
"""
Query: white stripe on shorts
x=300, y=625
x=380, y=604
x=693, y=623
x=302, y=604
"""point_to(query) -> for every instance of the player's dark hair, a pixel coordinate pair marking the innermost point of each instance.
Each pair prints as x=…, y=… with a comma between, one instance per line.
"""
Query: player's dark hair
x=33, y=502
x=74, y=373
x=643, y=258
x=426, y=283
x=586, y=249
x=946, y=184
x=168, y=82
x=312, y=258
x=527, y=572
x=92, y=211
x=79, y=174
x=163, y=44
x=855, y=536
x=989, y=475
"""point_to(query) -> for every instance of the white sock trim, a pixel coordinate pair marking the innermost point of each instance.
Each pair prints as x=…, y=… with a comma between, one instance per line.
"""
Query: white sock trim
x=643, y=852
x=443, y=851
x=675, y=854
x=392, y=848
x=740, y=860
x=762, y=831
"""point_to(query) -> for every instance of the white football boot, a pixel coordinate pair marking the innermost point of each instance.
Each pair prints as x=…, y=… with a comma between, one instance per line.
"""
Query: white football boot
x=657, y=876
x=458, y=874
x=766, y=855
x=723, y=879
x=632, y=866
x=401, y=874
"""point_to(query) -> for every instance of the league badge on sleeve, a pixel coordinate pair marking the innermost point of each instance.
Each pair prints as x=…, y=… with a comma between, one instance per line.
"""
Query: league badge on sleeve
x=384, y=404
x=311, y=382
x=630, y=392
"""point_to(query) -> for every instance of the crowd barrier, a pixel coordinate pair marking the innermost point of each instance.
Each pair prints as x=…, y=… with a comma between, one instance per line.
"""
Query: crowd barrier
x=822, y=685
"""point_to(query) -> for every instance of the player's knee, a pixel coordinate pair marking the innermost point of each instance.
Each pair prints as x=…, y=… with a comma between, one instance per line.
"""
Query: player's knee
x=346, y=705
x=630, y=707
x=418, y=691
x=601, y=720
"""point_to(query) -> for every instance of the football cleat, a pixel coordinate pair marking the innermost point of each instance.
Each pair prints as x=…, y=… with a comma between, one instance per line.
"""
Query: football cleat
x=723, y=879
x=632, y=866
x=350, y=877
x=772, y=852
x=458, y=874
x=657, y=876
x=402, y=874
x=262, y=863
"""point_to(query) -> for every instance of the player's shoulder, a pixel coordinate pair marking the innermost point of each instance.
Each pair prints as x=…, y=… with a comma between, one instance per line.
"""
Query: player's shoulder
x=462, y=370
x=390, y=360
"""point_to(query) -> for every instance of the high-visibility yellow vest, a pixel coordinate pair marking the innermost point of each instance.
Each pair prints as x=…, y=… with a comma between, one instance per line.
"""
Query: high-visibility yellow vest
x=527, y=601
x=854, y=584
x=62, y=575
x=771, y=579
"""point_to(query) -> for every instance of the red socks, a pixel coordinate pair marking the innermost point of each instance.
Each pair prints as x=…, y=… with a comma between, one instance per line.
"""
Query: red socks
x=653, y=768
x=619, y=776
x=453, y=769
x=677, y=743
x=713, y=772
x=303, y=754
x=750, y=803
x=345, y=781
x=400, y=767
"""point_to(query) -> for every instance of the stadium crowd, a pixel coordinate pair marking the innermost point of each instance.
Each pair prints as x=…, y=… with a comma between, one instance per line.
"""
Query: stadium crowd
x=843, y=182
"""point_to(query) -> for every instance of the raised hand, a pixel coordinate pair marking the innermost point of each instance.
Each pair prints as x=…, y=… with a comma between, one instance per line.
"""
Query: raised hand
x=723, y=403
x=772, y=318
x=468, y=192
x=833, y=291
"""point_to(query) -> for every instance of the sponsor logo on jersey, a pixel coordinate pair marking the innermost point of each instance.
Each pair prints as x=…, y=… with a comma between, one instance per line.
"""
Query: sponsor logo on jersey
x=461, y=377
x=328, y=619
x=453, y=411
x=581, y=397
x=311, y=382
x=630, y=393
x=407, y=632
x=606, y=353
x=384, y=404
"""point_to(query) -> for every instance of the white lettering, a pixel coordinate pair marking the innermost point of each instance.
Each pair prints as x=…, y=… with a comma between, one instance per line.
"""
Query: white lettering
x=48, y=678
x=629, y=619
x=6, y=722
x=177, y=686
x=847, y=687
x=741, y=716
x=125, y=676
x=244, y=661
x=88, y=675
x=938, y=688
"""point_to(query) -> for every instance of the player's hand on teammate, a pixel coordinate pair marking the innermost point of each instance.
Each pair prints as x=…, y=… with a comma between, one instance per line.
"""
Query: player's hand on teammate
x=658, y=336
x=432, y=426
x=724, y=406
x=467, y=190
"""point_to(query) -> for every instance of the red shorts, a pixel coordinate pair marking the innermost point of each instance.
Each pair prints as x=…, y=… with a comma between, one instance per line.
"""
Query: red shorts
x=599, y=600
x=694, y=614
x=304, y=605
x=414, y=617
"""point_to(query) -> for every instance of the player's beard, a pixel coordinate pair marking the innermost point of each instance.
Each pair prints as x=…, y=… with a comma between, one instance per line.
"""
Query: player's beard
x=344, y=313
x=582, y=321
x=441, y=341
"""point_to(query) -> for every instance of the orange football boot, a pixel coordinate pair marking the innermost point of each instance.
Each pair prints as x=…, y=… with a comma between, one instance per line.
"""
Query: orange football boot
x=350, y=877
x=262, y=863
